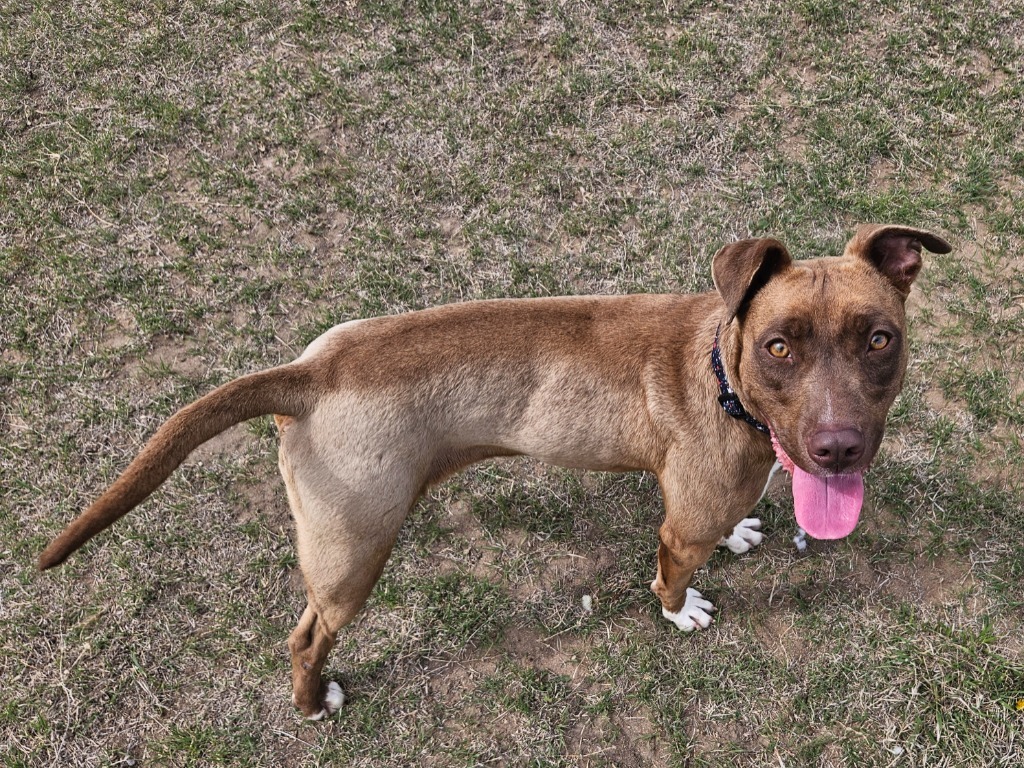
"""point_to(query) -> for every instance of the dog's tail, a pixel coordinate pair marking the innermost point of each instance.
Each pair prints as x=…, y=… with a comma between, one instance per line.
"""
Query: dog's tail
x=288, y=390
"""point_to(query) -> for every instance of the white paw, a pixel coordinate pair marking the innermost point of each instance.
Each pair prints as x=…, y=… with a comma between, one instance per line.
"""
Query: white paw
x=800, y=539
x=745, y=536
x=696, y=612
x=332, y=702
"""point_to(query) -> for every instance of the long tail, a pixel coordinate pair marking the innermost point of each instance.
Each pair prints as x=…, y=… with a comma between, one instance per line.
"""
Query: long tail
x=289, y=390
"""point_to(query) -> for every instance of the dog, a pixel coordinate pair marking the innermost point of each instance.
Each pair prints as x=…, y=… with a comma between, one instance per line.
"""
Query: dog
x=788, y=362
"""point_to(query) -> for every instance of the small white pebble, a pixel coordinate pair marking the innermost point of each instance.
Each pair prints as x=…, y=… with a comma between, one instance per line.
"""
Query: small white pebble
x=588, y=603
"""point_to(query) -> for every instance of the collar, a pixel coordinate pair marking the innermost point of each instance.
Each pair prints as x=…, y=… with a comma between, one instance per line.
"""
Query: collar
x=728, y=399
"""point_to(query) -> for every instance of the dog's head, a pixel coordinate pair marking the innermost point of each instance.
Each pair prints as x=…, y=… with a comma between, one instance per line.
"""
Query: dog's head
x=822, y=355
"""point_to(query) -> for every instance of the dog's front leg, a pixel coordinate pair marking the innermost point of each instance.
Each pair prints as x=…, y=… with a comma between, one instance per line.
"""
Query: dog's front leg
x=744, y=536
x=678, y=558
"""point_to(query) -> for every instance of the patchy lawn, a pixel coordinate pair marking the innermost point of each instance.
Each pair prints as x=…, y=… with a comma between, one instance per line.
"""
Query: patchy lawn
x=191, y=190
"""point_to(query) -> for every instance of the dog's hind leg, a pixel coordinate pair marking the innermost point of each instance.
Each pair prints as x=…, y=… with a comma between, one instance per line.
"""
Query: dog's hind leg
x=347, y=518
x=340, y=564
x=310, y=643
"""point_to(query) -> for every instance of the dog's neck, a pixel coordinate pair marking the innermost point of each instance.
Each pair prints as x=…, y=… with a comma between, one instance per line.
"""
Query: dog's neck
x=727, y=396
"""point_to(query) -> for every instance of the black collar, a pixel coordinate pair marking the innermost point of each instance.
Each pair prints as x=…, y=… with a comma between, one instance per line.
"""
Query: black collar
x=729, y=400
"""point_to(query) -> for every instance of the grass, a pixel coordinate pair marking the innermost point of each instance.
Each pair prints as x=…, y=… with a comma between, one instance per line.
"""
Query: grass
x=192, y=190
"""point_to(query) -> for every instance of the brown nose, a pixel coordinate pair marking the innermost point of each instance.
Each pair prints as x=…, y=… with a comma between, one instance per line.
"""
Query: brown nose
x=836, y=449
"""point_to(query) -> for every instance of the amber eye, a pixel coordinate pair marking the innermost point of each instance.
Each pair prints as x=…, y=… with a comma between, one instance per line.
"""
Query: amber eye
x=879, y=340
x=778, y=348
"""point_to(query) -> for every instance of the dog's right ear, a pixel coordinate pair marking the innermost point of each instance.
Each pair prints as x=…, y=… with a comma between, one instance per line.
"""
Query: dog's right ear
x=741, y=269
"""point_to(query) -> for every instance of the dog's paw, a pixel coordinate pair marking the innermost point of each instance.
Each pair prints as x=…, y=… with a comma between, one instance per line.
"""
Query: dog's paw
x=696, y=612
x=332, y=702
x=745, y=536
x=800, y=539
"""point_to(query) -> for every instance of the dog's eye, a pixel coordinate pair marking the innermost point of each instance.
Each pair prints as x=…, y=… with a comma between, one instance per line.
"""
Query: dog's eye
x=778, y=348
x=879, y=340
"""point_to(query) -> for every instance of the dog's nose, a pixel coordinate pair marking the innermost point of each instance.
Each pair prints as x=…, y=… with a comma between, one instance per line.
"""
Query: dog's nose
x=836, y=449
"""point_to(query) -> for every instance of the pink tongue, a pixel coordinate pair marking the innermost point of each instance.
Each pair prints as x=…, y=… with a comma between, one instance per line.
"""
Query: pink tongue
x=827, y=507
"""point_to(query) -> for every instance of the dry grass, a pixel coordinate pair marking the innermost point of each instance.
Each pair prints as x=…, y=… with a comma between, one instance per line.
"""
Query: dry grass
x=194, y=189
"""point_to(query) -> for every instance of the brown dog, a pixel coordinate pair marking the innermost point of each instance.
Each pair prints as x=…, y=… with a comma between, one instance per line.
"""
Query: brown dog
x=808, y=355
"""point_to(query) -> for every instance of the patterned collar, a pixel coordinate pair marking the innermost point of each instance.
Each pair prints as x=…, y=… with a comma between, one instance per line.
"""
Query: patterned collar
x=728, y=399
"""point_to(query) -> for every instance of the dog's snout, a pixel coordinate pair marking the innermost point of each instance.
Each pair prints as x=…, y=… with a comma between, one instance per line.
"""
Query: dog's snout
x=836, y=449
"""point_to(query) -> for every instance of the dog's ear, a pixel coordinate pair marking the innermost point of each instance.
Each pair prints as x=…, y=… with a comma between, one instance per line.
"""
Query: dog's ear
x=741, y=269
x=895, y=251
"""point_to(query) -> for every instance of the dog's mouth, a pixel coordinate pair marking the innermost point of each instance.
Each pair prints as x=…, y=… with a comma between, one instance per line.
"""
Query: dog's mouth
x=826, y=506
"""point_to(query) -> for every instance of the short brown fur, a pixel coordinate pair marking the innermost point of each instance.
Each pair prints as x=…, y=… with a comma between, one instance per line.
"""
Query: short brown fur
x=377, y=410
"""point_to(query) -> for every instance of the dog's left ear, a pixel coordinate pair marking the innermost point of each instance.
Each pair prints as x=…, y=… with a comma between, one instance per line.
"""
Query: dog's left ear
x=742, y=268
x=895, y=251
